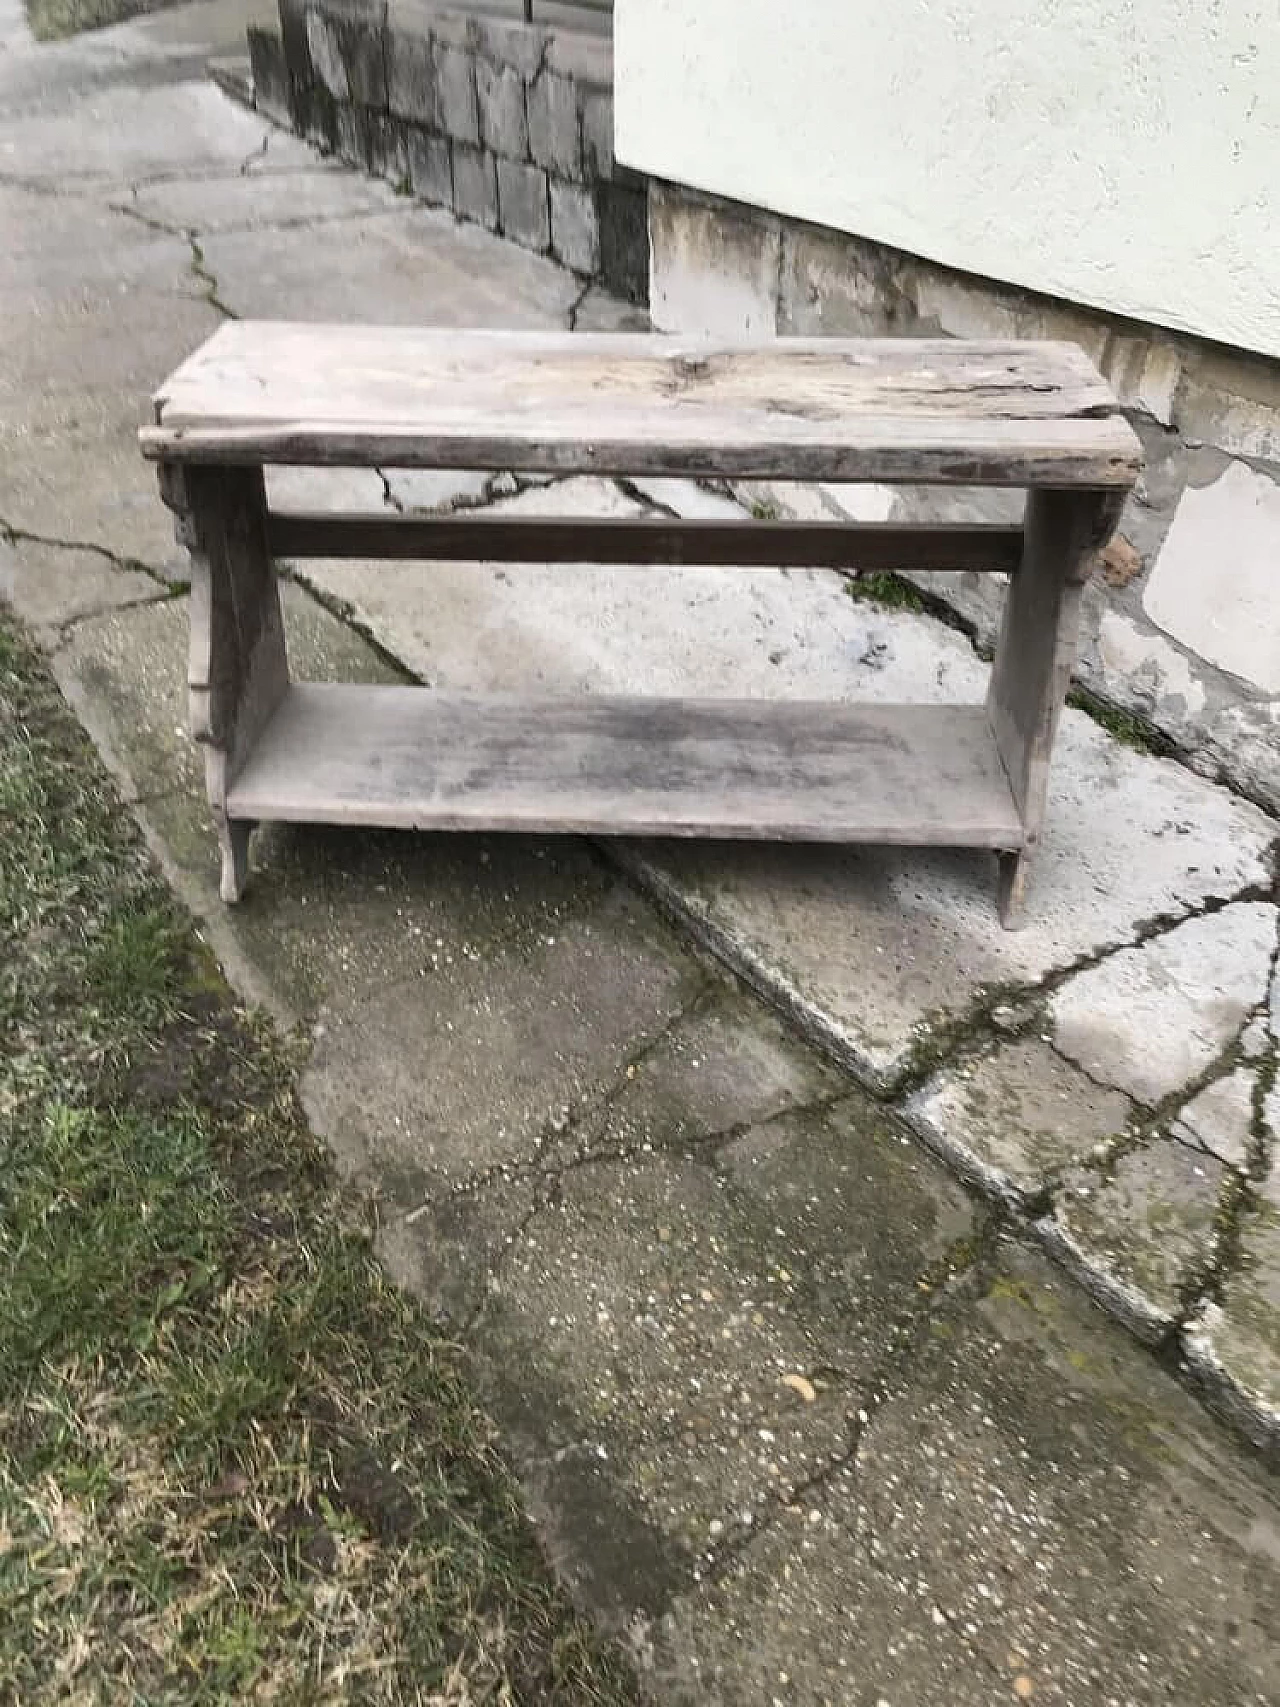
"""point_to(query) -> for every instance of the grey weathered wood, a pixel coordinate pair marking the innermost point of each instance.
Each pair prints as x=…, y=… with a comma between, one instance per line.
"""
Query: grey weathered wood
x=989, y=413
x=821, y=409
x=801, y=771
x=744, y=544
x=1034, y=657
x=237, y=669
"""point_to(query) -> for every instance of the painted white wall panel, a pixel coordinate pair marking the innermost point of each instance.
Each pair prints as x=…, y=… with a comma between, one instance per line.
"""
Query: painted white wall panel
x=1123, y=153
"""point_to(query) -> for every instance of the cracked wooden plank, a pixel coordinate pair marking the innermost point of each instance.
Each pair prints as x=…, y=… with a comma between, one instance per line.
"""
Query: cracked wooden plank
x=1000, y=412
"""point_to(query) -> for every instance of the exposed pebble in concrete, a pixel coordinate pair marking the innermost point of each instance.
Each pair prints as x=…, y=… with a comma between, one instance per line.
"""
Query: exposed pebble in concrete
x=726, y=1065
x=1149, y=1019
x=1137, y=1234
x=666, y=1350
x=1013, y=1527
x=1015, y=1117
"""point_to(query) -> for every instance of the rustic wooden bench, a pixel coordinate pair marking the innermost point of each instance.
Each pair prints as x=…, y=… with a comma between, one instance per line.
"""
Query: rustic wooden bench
x=1031, y=415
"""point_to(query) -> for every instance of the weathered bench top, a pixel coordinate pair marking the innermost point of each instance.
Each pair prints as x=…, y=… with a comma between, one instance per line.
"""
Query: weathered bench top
x=1004, y=413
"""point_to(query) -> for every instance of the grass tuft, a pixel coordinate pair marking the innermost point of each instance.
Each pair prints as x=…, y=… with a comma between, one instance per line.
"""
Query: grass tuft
x=884, y=588
x=235, y=1462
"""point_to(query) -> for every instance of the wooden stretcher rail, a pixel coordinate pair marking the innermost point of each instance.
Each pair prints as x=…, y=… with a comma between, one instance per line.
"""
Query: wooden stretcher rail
x=746, y=544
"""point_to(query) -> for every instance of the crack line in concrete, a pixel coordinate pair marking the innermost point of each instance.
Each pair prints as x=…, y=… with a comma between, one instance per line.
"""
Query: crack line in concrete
x=1240, y=1195
x=588, y=1115
x=53, y=189
x=971, y=1257
x=950, y=1038
x=180, y=234
x=341, y=611
x=705, y=1146
x=575, y=307
x=258, y=153
x=176, y=590
x=11, y=535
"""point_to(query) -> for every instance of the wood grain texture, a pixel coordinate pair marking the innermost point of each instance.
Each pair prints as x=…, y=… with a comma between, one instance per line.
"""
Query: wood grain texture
x=797, y=771
x=1037, y=645
x=744, y=544
x=237, y=668
x=1004, y=413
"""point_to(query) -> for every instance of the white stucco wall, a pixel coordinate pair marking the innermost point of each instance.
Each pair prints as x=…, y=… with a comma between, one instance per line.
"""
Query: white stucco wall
x=1123, y=153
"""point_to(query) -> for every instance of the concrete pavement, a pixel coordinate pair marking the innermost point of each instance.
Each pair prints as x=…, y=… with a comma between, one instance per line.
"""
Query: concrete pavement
x=803, y=1415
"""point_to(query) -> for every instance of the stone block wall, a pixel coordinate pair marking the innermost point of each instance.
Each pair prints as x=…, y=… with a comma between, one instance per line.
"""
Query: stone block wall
x=1182, y=620
x=509, y=125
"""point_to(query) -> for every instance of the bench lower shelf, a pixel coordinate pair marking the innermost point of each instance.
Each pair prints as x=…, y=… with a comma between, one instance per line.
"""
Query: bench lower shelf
x=418, y=758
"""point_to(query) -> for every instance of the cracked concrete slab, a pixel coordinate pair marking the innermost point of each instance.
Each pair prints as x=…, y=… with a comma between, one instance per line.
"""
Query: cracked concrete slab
x=112, y=136
x=493, y=1036
x=50, y=587
x=287, y=189
x=1140, y=1232
x=687, y=498
x=1015, y=1117
x=408, y=265
x=614, y=629
x=339, y=489
x=667, y=1352
x=861, y=1259
x=717, y=1357
x=968, y=1551
x=427, y=490
x=883, y=952
x=1233, y=1345
x=83, y=488
x=90, y=302
x=725, y=1067
x=1149, y=1020
x=1220, y=1119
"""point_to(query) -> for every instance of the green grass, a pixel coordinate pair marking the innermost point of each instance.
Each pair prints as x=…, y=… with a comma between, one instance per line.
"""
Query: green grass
x=51, y=20
x=235, y=1462
x=884, y=588
x=1124, y=726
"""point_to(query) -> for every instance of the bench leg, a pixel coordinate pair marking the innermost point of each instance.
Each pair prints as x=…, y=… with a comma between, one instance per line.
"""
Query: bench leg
x=237, y=669
x=233, y=841
x=1011, y=888
x=1035, y=655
